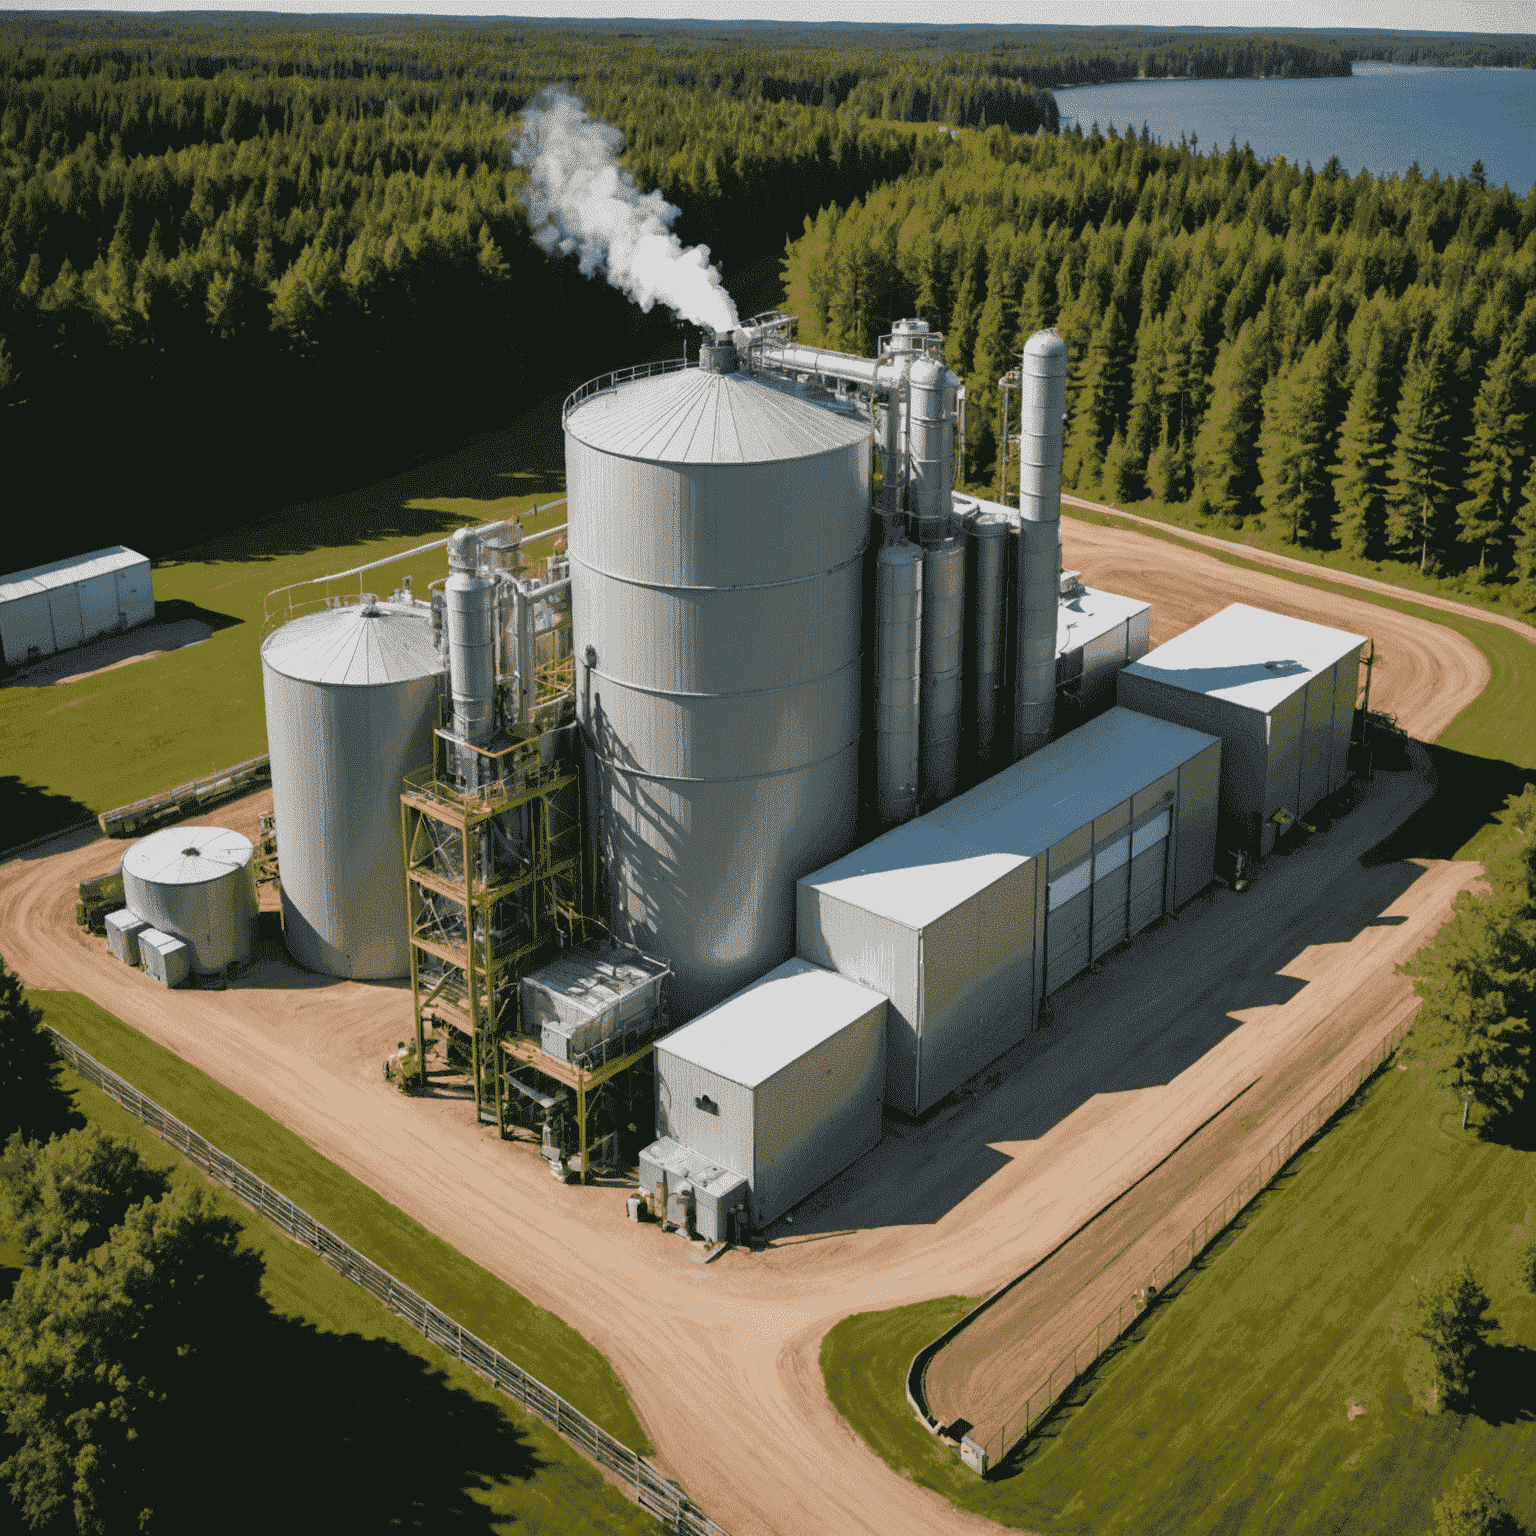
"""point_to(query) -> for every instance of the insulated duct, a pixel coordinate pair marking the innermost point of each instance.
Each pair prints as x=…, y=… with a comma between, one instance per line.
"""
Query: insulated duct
x=987, y=537
x=942, y=644
x=1045, y=393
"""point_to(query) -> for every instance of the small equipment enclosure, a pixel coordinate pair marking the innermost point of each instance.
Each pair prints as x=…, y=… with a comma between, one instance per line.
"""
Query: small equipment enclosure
x=966, y=917
x=1279, y=691
x=780, y=1083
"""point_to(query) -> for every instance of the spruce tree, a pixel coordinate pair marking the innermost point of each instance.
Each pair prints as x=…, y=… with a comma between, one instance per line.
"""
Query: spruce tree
x=1296, y=446
x=1497, y=452
x=1360, y=476
x=33, y=1103
x=1419, y=500
x=1227, y=444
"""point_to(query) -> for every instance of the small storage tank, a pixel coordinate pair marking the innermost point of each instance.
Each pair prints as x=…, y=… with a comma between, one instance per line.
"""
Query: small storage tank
x=717, y=529
x=351, y=699
x=196, y=884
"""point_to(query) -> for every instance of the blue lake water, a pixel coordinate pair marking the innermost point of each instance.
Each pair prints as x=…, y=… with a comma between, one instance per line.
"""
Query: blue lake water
x=1382, y=119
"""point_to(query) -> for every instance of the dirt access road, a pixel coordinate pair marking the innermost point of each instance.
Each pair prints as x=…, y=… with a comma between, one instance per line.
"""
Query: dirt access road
x=722, y=1360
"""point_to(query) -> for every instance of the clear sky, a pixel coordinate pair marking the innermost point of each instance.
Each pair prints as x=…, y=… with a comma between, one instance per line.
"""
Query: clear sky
x=1399, y=15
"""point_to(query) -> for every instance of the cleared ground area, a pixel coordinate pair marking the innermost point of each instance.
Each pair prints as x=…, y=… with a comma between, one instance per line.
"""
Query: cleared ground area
x=722, y=1360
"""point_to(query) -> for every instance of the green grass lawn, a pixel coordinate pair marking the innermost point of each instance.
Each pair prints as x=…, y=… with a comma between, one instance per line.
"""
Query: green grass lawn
x=385, y=1431
x=1227, y=1409
x=536, y=1340
x=76, y=749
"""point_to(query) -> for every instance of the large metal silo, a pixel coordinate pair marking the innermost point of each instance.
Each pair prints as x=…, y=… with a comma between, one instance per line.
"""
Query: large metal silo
x=717, y=524
x=351, y=699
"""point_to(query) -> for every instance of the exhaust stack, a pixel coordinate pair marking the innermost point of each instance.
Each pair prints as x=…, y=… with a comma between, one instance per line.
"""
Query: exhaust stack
x=1045, y=395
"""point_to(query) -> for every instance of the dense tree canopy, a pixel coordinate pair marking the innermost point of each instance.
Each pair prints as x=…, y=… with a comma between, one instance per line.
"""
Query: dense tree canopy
x=1351, y=357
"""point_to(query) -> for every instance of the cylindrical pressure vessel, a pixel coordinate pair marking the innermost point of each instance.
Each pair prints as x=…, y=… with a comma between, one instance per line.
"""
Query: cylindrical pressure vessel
x=471, y=619
x=195, y=883
x=717, y=529
x=987, y=537
x=351, y=698
x=1045, y=394
x=943, y=646
x=933, y=393
x=898, y=664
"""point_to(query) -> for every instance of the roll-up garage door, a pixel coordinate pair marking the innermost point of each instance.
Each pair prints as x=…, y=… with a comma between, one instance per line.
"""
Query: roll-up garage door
x=1111, y=873
x=1066, y=925
x=1149, y=866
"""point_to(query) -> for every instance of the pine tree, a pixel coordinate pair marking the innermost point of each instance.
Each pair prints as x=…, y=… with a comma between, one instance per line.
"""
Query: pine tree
x=1296, y=446
x=1497, y=450
x=33, y=1103
x=1227, y=445
x=1450, y=1318
x=1470, y=1509
x=1419, y=503
x=1360, y=476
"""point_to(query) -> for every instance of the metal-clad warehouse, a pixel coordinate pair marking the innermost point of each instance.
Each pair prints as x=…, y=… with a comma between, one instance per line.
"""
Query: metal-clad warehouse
x=780, y=1083
x=967, y=916
x=1280, y=692
x=54, y=607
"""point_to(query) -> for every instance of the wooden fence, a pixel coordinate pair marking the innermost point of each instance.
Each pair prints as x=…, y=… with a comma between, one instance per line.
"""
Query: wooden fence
x=1038, y=1405
x=654, y=1493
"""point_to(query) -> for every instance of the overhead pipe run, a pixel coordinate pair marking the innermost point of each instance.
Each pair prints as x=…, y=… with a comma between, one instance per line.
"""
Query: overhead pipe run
x=1044, y=373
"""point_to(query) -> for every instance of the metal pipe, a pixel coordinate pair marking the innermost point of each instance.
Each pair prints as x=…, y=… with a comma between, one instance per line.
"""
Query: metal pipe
x=933, y=390
x=1044, y=372
x=942, y=669
x=986, y=616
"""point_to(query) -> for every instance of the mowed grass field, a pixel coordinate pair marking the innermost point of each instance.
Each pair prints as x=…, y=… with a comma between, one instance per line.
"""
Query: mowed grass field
x=356, y=1422
x=535, y=1339
x=74, y=749
x=1229, y=1409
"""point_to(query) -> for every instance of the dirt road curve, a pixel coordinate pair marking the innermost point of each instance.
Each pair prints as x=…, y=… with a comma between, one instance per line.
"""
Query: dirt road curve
x=722, y=1360
x=1425, y=674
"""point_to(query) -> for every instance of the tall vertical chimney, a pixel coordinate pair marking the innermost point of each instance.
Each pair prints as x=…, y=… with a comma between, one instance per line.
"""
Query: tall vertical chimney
x=1045, y=396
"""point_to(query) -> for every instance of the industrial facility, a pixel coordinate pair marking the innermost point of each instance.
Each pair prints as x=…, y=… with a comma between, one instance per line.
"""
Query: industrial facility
x=55, y=607
x=778, y=803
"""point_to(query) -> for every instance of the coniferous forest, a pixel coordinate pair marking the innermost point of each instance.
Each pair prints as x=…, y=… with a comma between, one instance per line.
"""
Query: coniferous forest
x=1353, y=358
x=251, y=260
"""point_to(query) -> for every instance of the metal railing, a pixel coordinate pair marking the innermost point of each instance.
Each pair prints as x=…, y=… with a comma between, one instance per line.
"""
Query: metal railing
x=1039, y=1404
x=222, y=784
x=606, y=381
x=654, y=1493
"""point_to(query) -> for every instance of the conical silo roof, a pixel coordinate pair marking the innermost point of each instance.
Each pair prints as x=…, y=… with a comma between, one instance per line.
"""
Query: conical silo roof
x=187, y=855
x=357, y=646
x=694, y=416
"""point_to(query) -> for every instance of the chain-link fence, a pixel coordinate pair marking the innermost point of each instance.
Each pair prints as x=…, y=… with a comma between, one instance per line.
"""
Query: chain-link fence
x=654, y=1493
x=1038, y=1405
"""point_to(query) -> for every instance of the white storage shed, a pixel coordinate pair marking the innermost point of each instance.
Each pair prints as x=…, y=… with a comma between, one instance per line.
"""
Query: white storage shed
x=967, y=916
x=1280, y=692
x=780, y=1083
x=1097, y=633
x=53, y=607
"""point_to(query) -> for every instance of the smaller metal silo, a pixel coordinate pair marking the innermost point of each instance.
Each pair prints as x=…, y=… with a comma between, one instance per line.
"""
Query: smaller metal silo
x=933, y=389
x=898, y=648
x=351, y=697
x=196, y=884
x=987, y=539
x=943, y=645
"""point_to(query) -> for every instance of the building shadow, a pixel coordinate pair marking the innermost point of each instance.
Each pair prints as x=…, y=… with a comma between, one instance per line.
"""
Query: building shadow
x=176, y=624
x=1117, y=1031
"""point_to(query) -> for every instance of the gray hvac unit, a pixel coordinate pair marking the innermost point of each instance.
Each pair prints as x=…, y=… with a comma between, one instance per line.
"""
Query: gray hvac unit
x=123, y=930
x=1279, y=691
x=351, y=697
x=717, y=529
x=165, y=957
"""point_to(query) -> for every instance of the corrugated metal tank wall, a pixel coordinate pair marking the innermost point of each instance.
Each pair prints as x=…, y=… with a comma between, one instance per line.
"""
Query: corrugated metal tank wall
x=351, y=699
x=717, y=525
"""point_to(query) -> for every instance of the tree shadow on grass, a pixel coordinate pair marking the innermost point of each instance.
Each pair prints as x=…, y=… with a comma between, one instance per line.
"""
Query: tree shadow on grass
x=337, y=1432
x=1469, y=792
x=29, y=810
x=1505, y=1389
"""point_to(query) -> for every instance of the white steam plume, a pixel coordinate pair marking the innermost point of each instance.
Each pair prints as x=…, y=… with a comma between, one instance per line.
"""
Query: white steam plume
x=579, y=198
